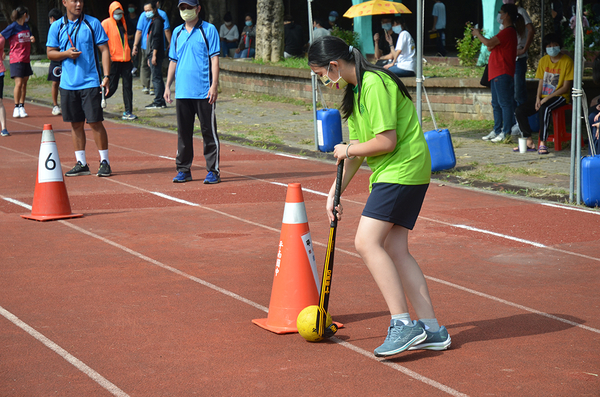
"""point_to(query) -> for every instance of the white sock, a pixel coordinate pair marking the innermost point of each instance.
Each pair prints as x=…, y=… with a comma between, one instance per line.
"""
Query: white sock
x=404, y=317
x=104, y=155
x=431, y=324
x=80, y=156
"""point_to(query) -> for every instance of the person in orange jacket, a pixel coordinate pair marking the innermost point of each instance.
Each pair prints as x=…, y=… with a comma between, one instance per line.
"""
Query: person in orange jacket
x=120, y=55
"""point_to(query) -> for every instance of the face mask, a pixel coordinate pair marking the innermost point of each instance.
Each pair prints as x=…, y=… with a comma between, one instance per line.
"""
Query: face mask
x=386, y=26
x=338, y=84
x=228, y=23
x=248, y=23
x=187, y=15
x=552, y=51
x=331, y=19
x=397, y=29
x=117, y=17
x=149, y=14
x=27, y=19
x=131, y=10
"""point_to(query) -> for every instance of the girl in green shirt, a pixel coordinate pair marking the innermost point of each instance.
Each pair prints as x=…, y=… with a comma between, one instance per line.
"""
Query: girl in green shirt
x=385, y=131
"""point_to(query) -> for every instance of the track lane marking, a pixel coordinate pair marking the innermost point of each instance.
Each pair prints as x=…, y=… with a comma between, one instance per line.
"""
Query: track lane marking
x=102, y=381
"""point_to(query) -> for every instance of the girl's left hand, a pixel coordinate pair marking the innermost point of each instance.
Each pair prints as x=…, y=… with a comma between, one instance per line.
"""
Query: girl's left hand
x=329, y=208
x=339, y=152
x=32, y=39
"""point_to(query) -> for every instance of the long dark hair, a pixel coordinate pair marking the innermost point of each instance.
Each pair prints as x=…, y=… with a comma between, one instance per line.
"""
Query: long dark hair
x=515, y=17
x=18, y=13
x=330, y=48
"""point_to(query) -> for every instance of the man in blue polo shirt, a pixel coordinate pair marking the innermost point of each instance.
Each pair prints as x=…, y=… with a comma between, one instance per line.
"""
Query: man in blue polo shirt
x=194, y=56
x=72, y=40
x=141, y=36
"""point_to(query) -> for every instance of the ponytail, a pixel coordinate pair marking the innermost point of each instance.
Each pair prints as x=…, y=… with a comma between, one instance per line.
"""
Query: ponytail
x=18, y=13
x=330, y=48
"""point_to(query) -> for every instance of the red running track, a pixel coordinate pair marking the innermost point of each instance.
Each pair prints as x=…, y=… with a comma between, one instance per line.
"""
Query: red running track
x=153, y=291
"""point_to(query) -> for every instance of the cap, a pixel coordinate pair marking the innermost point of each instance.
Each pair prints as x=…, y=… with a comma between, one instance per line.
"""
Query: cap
x=192, y=3
x=334, y=14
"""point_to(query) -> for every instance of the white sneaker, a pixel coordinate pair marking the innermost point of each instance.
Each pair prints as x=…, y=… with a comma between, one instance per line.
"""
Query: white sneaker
x=499, y=138
x=16, y=113
x=515, y=130
x=56, y=111
x=22, y=112
x=489, y=136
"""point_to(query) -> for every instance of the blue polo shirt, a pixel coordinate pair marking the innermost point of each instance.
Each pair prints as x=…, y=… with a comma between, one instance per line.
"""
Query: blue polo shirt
x=144, y=24
x=80, y=73
x=192, y=52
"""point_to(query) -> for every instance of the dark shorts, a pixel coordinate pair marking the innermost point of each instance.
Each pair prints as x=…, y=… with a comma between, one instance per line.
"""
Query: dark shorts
x=54, y=71
x=81, y=105
x=398, y=204
x=20, y=69
x=2, y=87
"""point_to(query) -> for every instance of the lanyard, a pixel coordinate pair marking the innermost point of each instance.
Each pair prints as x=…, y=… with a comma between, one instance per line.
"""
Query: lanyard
x=74, y=32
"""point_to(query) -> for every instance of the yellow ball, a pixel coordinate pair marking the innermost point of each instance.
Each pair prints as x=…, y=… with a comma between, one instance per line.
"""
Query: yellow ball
x=306, y=323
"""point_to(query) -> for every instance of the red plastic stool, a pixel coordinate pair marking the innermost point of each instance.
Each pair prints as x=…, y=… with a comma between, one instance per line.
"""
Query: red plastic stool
x=560, y=131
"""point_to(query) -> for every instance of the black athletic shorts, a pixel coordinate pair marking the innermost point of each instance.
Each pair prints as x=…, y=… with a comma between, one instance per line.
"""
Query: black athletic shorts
x=81, y=105
x=398, y=204
x=20, y=69
x=54, y=69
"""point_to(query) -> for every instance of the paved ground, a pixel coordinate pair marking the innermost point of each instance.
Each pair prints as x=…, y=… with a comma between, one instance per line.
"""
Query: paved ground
x=250, y=120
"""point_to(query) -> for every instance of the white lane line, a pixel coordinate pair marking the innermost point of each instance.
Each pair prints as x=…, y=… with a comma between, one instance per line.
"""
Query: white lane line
x=290, y=156
x=102, y=381
x=566, y=207
x=240, y=298
x=17, y=202
x=520, y=240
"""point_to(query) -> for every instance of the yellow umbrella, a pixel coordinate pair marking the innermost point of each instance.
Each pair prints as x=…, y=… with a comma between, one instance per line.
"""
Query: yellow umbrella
x=376, y=7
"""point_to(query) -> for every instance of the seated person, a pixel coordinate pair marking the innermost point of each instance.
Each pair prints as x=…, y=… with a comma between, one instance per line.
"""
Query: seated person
x=294, y=41
x=555, y=74
x=383, y=53
x=246, y=48
x=403, y=55
x=318, y=29
x=229, y=35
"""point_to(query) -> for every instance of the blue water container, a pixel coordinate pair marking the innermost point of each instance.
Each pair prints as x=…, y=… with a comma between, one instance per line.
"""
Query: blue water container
x=329, y=129
x=440, y=149
x=590, y=180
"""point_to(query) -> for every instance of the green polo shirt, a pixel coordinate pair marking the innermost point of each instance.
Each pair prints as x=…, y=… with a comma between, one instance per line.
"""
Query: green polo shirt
x=383, y=107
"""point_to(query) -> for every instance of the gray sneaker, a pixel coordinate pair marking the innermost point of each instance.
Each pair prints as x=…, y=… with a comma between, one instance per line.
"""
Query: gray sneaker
x=439, y=340
x=400, y=337
x=104, y=169
x=79, y=170
x=489, y=136
x=515, y=130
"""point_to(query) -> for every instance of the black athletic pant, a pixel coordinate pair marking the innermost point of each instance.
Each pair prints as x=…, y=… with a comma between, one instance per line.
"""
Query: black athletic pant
x=122, y=70
x=186, y=110
x=544, y=115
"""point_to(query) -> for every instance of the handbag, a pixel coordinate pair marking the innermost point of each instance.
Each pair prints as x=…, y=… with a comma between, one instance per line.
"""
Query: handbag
x=484, y=79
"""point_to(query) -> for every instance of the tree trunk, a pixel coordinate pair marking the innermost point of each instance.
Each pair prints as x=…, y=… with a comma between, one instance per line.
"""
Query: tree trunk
x=269, y=30
x=534, y=9
x=214, y=11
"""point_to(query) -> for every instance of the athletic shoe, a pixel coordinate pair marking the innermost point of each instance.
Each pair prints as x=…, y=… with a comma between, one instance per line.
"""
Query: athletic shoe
x=400, y=337
x=489, y=136
x=155, y=106
x=515, y=130
x=5, y=133
x=134, y=70
x=104, y=169
x=22, y=113
x=439, y=340
x=128, y=116
x=182, y=177
x=211, y=178
x=79, y=170
x=499, y=138
x=145, y=90
x=151, y=92
x=56, y=111
x=16, y=113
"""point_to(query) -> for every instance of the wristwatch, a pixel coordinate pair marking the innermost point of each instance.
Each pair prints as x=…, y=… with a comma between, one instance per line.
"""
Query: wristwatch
x=106, y=77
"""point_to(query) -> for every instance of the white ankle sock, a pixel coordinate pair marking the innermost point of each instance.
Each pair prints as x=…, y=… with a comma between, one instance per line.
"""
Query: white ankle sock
x=104, y=155
x=404, y=317
x=80, y=156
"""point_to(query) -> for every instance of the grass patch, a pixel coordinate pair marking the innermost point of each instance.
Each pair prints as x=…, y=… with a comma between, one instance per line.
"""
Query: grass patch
x=270, y=98
x=296, y=63
x=452, y=71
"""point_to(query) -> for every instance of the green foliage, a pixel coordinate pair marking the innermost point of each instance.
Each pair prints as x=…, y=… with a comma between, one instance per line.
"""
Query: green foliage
x=468, y=47
x=349, y=36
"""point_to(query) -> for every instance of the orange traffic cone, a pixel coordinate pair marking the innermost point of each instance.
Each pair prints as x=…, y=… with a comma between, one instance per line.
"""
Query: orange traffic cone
x=296, y=279
x=50, y=199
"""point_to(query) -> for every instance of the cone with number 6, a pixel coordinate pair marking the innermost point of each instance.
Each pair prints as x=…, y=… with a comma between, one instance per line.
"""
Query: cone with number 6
x=50, y=199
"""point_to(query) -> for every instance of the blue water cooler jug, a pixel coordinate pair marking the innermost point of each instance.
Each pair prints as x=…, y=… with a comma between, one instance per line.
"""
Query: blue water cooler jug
x=329, y=129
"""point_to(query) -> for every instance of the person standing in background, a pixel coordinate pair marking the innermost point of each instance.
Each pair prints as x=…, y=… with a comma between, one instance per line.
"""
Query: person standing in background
x=54, y=70
x=131, y=18
x=333, y=17
x=156, y=53
x=439, y=26
x=4, y=131
x=19, y=37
